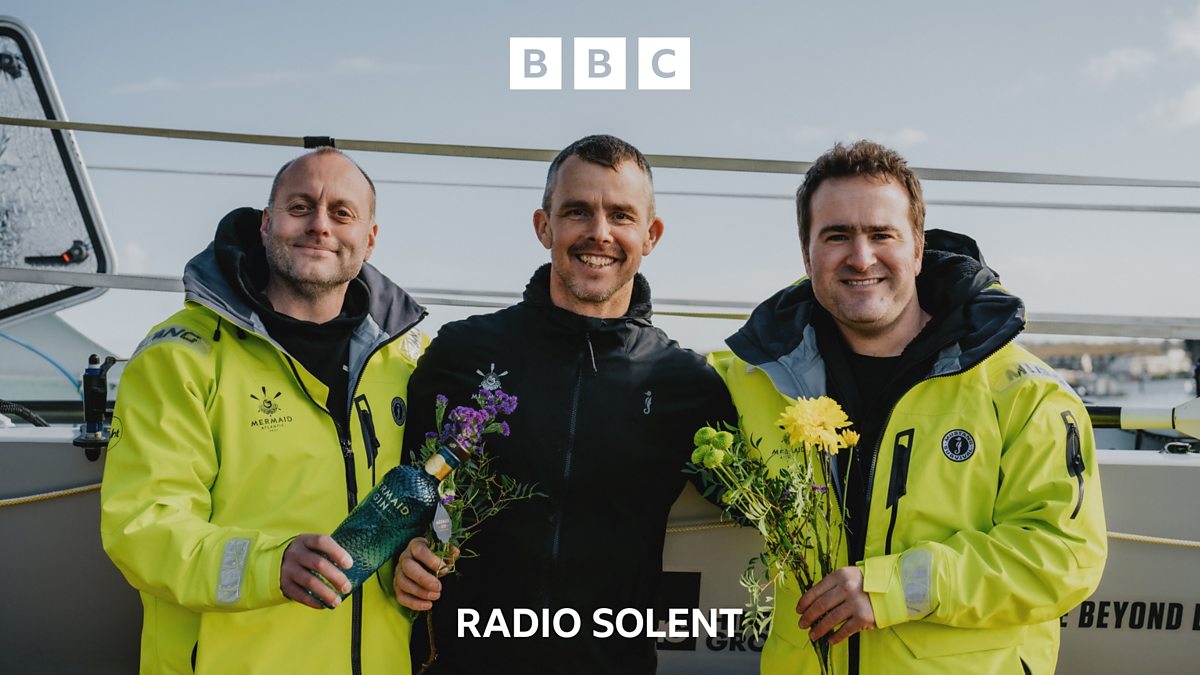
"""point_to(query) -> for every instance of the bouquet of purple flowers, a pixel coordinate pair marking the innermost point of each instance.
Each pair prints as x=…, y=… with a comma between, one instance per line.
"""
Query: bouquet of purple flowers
x=475, y=491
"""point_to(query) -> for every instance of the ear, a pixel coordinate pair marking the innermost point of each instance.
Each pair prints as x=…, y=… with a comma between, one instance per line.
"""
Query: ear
x=541, y=227
x=652, y=237
x=919, y=245
x=371, y=240
x=265, y=226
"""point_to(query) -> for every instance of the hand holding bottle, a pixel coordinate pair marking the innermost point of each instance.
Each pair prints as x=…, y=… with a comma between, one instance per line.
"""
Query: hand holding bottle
x=307, y=556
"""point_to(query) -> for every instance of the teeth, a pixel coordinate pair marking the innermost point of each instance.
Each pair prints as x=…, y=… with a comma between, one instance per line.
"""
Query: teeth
x=596, y=261
x=862, y=282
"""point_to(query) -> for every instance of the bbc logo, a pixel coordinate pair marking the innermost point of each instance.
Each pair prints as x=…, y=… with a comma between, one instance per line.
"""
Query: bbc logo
x=599, y=63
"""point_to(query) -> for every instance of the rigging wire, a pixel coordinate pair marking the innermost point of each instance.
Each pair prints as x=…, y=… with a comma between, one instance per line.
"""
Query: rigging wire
x=542, y=155
x=1127, y=208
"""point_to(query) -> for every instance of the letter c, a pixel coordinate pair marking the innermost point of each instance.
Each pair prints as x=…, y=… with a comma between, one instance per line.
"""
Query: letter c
x=654, y=63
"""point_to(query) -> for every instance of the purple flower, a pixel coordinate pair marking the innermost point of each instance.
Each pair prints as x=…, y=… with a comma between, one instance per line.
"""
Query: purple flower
x=504, y=429
x=821, y=488
x=788, y=494
x=448, y=498
x=431, y=435
x=442, y=400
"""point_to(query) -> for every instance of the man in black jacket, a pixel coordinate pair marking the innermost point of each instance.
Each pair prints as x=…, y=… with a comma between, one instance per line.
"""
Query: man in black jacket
x=608, y=406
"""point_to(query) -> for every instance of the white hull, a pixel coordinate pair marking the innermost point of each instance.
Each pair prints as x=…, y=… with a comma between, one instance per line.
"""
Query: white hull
x=70, y=612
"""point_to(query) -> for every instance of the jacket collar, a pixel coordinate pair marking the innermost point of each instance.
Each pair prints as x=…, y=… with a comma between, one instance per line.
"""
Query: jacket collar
x=972, y=317
x=537, y=296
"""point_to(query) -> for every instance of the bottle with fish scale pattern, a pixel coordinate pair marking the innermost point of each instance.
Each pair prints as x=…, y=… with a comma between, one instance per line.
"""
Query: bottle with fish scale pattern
x=399, y=508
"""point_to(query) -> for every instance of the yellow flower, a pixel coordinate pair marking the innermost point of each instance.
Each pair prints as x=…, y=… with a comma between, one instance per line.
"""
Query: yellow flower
x=814, y=422
x=849, y=438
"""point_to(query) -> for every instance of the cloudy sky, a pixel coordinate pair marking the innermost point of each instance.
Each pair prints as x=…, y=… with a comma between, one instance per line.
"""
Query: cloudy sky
x=1072, y=87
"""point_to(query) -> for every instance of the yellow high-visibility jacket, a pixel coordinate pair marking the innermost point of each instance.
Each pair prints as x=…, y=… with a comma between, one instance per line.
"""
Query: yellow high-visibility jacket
x=222, y=453
x=985, y=516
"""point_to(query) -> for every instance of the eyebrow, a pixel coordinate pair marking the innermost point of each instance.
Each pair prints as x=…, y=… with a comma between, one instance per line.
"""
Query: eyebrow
x=309, y=198
x=843, y=228
x=577, y=203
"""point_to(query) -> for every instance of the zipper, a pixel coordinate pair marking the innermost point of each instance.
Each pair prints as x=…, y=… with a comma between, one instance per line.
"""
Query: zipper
x=1075, y=465
x=347, y=449
x=567, y=453
x=853, y=641
x=898, y=487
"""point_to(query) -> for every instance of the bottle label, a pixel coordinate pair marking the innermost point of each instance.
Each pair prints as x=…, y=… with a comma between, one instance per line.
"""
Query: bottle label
x=442, y=527
x=386, y=501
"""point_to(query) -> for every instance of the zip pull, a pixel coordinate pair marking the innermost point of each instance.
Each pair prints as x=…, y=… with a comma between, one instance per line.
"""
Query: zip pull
x=1075, y=466
x=591, y=352
x=367, y=423
x=898, y=487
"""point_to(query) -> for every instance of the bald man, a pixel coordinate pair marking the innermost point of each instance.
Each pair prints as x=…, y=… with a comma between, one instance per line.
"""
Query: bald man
x=256, y=418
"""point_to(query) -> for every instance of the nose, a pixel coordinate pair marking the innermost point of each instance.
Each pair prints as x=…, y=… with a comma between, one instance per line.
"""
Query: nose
x=320, y=223
x=862, y=254
x=599, y=229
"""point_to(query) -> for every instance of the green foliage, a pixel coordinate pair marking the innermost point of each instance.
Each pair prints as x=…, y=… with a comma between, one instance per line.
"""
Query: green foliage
x=782, y=493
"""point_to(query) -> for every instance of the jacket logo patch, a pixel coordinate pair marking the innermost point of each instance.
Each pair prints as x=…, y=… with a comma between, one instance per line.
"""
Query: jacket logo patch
x=646, y=410
x=491, y=379
x=267, y=404
x=270, y=413
x=958, y=445
x=114, y=432
x=399, y=412
x=411, y=346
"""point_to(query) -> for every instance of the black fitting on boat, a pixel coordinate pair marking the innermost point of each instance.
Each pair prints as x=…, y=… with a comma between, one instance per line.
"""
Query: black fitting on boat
x=94, y=435
x=311, y=142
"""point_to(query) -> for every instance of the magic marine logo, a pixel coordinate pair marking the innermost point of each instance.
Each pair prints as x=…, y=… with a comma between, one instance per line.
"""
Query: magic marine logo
x=270, y=412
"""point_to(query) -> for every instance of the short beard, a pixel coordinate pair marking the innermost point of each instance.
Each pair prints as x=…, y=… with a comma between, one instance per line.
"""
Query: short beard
x=281, y=269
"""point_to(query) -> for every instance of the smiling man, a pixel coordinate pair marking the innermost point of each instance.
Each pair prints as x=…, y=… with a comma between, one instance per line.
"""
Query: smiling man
x=608, y=406
x=246, y=430
x=972, y=509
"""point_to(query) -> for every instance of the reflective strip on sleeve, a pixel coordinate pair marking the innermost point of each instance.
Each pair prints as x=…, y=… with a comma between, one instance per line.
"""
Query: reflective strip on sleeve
x=233, y=566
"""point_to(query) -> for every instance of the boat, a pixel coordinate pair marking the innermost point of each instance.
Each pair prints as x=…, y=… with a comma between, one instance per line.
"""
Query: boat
x=68, y=610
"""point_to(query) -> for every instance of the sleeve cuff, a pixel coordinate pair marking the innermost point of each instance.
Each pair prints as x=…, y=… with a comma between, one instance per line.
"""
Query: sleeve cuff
x=881, y=581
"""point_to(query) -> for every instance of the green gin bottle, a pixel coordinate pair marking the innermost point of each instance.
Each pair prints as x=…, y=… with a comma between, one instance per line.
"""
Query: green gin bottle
x=399, y=508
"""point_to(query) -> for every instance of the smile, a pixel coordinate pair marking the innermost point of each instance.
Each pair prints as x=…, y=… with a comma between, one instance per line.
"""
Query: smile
x=862, y=282
x=596, y=261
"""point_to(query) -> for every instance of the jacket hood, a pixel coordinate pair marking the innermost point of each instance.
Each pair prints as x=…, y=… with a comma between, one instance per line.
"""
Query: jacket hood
x=972, y=316
x=216, y=278
x=537, y=293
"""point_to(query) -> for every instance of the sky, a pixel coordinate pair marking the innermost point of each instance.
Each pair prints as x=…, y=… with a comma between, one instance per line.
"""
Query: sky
x=1071, y=87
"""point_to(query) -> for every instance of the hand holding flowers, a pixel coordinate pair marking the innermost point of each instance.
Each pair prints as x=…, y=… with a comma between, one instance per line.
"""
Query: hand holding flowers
x=784, y=493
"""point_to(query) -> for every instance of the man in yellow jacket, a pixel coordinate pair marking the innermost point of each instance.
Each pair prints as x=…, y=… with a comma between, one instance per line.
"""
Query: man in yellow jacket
x=251, y=421
x=973, y=514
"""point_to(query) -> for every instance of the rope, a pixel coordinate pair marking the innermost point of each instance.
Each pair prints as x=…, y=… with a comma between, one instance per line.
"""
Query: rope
x=1145, y=539
x=1116, y=536
x=535, y=155
x=46, y=496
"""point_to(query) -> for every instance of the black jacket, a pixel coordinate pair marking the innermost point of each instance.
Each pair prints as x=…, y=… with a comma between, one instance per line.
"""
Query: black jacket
x=607, y=409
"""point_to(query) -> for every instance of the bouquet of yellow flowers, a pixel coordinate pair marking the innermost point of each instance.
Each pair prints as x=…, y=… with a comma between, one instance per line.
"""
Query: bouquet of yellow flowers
x=783, y=493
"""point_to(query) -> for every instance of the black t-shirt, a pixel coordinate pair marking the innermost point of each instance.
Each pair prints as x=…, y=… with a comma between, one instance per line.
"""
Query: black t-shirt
x=867, y=387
